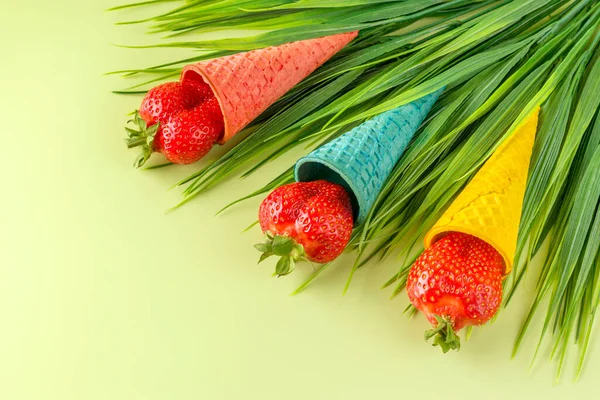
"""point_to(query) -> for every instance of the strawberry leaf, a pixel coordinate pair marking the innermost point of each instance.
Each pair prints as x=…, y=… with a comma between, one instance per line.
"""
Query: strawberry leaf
x=284, y=266
x=283, y=245
x=264, y=256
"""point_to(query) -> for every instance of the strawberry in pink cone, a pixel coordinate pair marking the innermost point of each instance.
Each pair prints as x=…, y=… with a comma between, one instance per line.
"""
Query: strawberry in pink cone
x=181, y=121
x=456, y=282
x=190, y=134
x=166, y=100
x=305, y=221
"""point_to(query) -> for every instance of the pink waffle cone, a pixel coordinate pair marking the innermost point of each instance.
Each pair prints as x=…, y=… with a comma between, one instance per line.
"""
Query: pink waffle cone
x=246, y=84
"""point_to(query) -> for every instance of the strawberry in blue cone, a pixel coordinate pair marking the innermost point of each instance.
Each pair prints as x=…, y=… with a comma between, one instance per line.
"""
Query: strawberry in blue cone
x=336, y=187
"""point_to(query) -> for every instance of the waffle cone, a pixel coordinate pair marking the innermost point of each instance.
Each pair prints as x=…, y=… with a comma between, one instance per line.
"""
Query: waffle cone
x=362, y=159
x=246, y=84
x=490, y=205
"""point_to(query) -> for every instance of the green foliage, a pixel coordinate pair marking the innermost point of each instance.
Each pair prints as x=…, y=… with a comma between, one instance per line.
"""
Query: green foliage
x=498, y=60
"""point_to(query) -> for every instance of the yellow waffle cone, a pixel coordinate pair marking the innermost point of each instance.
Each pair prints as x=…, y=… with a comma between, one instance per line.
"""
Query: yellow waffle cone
x=490, y=205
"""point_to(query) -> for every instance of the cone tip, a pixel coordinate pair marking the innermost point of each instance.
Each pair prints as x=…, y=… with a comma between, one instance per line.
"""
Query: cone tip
x=535, y=114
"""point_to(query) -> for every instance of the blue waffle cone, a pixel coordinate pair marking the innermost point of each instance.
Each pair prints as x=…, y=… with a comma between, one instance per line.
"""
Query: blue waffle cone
x=362, y=159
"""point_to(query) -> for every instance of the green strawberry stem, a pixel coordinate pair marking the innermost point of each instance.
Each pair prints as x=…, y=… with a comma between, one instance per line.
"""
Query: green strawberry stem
x=142, y=137
x=444, y=335
x=284, y=247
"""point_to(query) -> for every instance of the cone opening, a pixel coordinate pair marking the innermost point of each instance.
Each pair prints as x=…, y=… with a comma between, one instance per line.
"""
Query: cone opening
x=432, y=239
x=313, y=171
x=197, y=76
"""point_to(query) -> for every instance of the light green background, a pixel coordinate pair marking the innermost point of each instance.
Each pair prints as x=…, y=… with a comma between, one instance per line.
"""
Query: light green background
x=102, y=296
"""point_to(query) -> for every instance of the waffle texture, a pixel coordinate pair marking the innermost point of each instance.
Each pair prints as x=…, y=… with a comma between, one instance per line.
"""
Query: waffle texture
x=362, y=159
x=246, y=84
x=490, y=205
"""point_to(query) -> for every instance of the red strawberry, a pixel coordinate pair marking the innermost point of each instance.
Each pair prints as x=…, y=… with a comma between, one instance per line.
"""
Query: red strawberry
x=190, y=134
x=162, y=107
x=166, y=100
x=305, y=220
x=197, y=84
x=457, y=282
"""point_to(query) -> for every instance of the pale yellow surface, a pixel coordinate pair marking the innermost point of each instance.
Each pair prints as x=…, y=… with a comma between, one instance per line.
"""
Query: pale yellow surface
x=103, y=297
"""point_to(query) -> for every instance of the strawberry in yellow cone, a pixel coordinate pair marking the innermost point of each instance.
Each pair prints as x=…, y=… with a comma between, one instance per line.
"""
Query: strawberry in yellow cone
x=457, y=281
